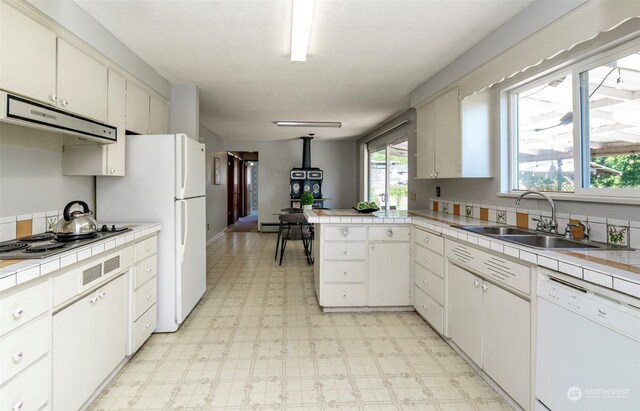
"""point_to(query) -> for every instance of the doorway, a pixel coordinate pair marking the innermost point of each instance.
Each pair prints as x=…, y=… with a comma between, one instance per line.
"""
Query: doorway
x=242, y=191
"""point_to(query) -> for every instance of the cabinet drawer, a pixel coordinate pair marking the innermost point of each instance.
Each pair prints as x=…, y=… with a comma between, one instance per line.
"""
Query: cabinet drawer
x=344, y=271
x=144, y=297
x=145, y=248
x=344, y=233
x=429, y=282
x=389, y=233
x=344, y=251
x=429, y=259
x=429, y=309
x=431, y=241
x=29, y=391
x=143, y=327
x=344, y=295
x=490, y=266
x=19, y=308
x=23, y=347
x=144, y=270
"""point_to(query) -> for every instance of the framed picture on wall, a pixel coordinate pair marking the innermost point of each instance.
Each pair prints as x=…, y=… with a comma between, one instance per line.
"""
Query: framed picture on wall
x=216, y=178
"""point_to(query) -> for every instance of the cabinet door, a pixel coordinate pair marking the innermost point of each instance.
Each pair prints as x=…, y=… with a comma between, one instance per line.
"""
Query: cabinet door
x=137, y=109
x=426, y=141
x=159, y=116
x=389, y=276
x=116, y=116
x=465, y=312
x=74, y=354
x=28, y=50
x=447, y=135
x=82, y=83
x=111, y=323
x=506, y=353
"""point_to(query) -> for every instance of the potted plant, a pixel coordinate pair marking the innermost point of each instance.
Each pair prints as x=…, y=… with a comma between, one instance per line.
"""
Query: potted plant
x=306, y=199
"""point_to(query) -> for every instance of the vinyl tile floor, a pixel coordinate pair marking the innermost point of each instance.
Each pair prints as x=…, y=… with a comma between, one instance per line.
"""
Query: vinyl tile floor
x=258, y=340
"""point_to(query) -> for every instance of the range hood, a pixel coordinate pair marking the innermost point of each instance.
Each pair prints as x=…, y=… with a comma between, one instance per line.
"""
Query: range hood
x=20, y=111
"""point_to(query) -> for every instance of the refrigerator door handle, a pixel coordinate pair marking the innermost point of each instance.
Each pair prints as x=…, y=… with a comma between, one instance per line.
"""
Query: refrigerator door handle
x=184, y=164
x=185, y=229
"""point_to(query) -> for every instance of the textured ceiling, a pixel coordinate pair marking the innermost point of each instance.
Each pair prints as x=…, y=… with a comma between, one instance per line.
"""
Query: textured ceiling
x=365, y=56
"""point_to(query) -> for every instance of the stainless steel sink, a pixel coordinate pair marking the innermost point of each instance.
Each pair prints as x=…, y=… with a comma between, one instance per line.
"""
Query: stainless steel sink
x=548, y=242
x=496, y=230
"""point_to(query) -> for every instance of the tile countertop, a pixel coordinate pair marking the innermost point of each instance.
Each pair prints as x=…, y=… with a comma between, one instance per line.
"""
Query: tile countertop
x=15, y=272
x=615, y=269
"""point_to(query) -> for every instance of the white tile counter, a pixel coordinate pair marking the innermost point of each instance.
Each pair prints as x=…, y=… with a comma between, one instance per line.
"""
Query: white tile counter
x=616, y=269
x=15, y=272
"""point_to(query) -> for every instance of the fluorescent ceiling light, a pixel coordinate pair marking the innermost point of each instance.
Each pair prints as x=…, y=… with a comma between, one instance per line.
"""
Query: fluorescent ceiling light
x=334, y=124
x=301, y=17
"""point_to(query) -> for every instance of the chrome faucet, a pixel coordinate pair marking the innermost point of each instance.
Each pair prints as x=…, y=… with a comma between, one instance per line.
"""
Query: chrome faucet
x=553, y=228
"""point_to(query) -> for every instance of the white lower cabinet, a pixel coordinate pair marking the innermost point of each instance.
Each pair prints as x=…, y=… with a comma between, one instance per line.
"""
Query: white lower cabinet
x=492, y=326
x=389, y=284
x=29, y=391
x=89, y=338
x=428, y=274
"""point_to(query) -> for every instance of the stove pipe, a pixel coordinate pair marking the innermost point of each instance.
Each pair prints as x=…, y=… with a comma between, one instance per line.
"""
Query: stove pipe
x=306, y=152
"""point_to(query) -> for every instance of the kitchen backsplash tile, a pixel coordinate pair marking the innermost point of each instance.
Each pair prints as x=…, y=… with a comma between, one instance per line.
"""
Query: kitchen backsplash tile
x=8, y=231
x=23, y=225
x=607, y=230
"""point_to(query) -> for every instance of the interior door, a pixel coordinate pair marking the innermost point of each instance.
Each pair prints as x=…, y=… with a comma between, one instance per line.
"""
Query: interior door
x=230, y=193
x=190, y=255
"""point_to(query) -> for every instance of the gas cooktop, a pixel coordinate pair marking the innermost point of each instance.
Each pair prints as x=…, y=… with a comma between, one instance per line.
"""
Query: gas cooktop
x=46, y=244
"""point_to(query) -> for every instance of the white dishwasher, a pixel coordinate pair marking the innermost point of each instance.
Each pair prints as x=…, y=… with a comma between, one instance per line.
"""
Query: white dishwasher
x=588, y=350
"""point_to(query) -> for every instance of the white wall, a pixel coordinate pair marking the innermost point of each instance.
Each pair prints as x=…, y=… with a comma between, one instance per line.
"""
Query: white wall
x=184, y=110
x=277, y=158
x=31, y=177
x=216, y=194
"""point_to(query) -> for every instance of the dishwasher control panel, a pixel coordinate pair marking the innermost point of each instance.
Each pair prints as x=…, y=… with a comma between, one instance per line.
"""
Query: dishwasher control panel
x=617, y=316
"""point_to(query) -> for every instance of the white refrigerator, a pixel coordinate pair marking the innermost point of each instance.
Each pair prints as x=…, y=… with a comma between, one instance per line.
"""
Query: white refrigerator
x=164, y=183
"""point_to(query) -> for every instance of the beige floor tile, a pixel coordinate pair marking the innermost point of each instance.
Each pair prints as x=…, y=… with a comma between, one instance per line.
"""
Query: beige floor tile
x=258, y=340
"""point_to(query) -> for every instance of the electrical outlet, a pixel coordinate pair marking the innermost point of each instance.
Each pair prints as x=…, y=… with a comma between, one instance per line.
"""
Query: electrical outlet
x=412, y=196
x=208, y=226
x=437, y=191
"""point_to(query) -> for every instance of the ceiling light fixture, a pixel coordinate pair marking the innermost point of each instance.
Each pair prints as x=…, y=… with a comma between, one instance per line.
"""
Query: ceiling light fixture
x=334, y=124
x=301, y=17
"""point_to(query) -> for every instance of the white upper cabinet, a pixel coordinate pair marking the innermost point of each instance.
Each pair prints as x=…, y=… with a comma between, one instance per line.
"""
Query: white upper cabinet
x=82, y=83
x=158, y=116
x=146, y=114
x=137, y=109
x=28, y=50
x=453, y=137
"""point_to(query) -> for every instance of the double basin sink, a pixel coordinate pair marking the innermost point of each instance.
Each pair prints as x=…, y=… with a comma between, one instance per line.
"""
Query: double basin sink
x=532, y=238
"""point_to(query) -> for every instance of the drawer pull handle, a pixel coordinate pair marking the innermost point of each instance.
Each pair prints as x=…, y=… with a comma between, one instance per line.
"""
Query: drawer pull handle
x=484, y=287
x=475, y=283
x=64, y=103
x=344, y=272
x=389, y=233
x=17, y=356
x=344, y=295
x=345, y=233
x=18, y=313
x=148, y=296
x=149, y=269
x=344, y=252
x=424, y=306
x=148, y=325
x=94, y=300
x=424, y=281
x=149, y=247
x=17, y=406
x=426, y=239
x=425, y=259
x=102, y=294
x=53, y=97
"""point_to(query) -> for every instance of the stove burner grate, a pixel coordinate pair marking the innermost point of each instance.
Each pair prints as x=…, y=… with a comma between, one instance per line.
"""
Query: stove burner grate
x=74, y=239
x=12, y=247
x=39, y=237
x=44, y=247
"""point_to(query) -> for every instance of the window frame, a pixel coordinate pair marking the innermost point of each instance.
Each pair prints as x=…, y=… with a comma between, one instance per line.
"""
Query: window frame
x=387, y=181
x=581, y=152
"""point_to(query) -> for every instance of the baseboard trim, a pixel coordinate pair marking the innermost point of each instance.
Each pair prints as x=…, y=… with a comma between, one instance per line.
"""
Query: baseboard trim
x=215, y=237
